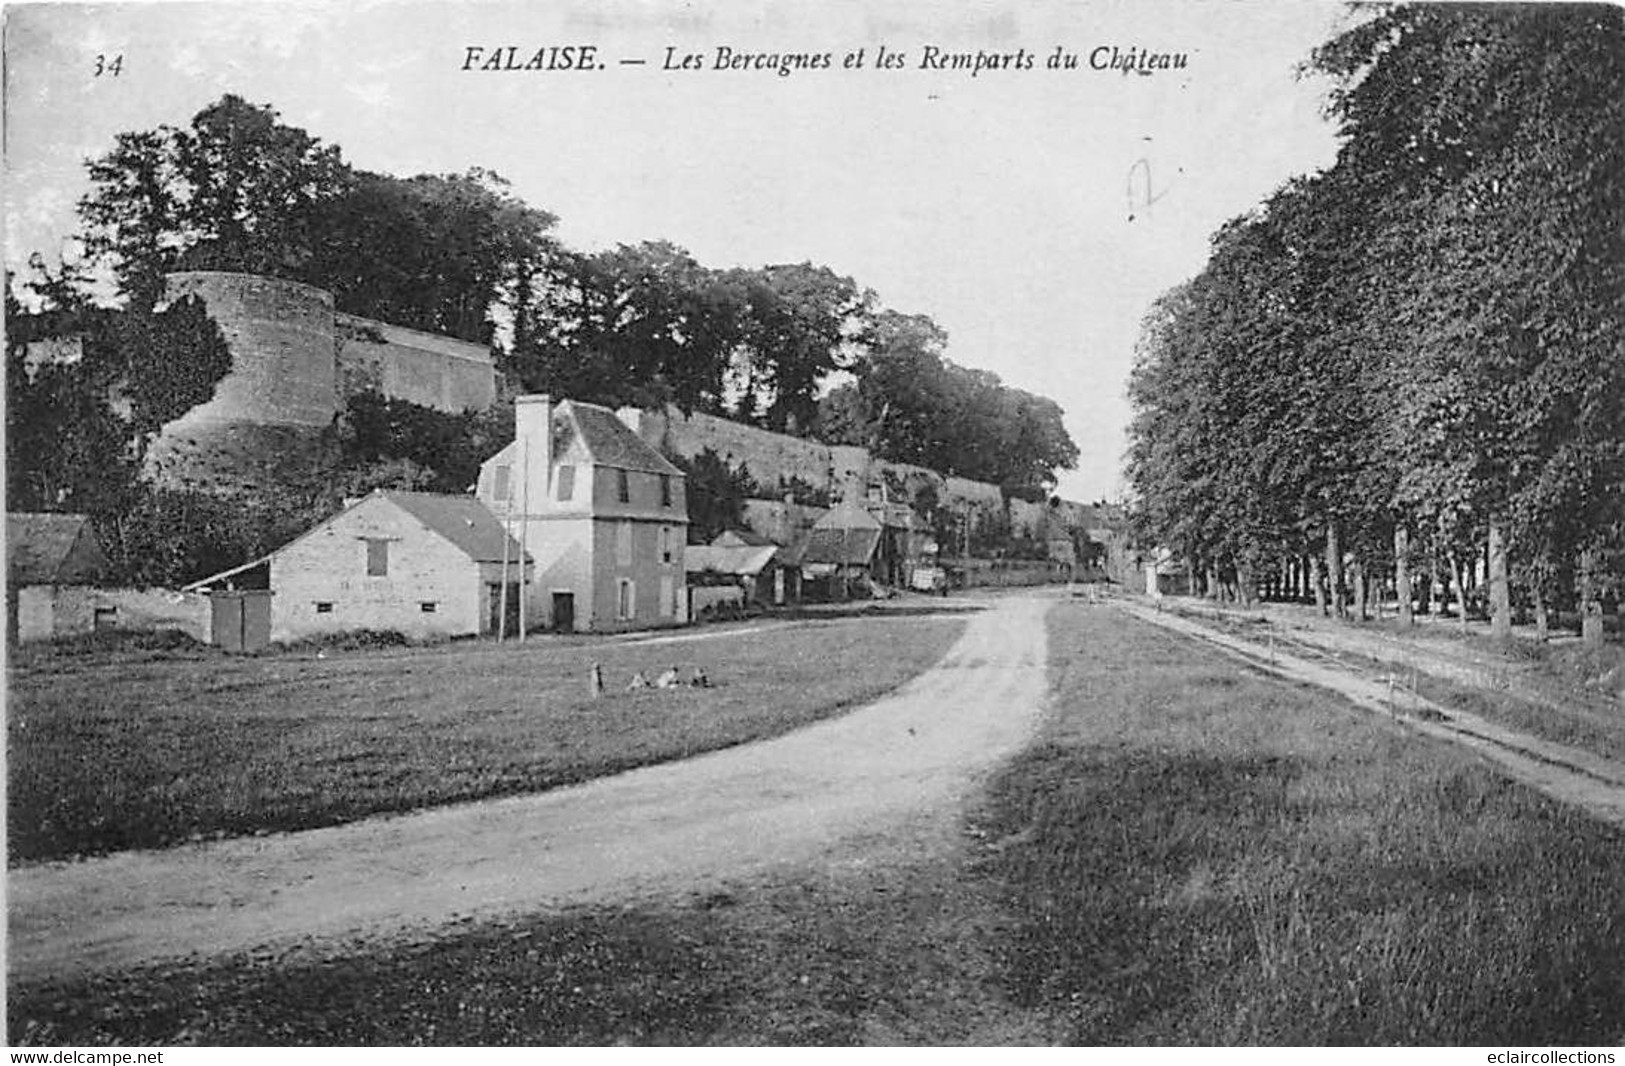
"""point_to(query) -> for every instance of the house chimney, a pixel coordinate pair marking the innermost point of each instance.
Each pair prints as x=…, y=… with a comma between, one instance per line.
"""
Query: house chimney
x=533, y=454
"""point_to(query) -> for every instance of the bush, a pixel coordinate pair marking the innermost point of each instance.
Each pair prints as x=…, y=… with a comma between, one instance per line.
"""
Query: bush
x=352, y=640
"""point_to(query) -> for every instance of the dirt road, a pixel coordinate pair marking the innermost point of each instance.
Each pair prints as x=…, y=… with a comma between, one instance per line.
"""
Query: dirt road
x=864, y=777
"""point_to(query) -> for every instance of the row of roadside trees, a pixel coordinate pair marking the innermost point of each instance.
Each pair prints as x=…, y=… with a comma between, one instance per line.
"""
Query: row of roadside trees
x=1413, y=362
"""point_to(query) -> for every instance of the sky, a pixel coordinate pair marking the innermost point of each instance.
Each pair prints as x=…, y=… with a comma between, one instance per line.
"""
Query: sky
x=1034, y=213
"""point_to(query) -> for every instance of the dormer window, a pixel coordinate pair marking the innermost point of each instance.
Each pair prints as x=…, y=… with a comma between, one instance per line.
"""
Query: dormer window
x=623, y=486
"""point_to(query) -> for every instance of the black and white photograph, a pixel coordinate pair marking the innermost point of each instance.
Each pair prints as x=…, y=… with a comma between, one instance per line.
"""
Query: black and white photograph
x=1014, y=523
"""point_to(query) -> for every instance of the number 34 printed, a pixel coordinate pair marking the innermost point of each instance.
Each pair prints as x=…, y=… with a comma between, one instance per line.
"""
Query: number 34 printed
x=109, y=65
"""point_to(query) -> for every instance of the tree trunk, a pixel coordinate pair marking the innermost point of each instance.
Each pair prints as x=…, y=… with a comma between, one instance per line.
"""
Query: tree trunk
x=1358, y=579
x=1316, y=583
x=1542, y=621
x=1458, y=574
x=1590, y=601
x=1402, y=574
x=1334, y=569
x=1213, y=583
x=1500, y=591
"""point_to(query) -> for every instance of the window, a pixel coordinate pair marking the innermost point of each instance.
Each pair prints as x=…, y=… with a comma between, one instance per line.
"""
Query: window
x=665, y=544
x=626, y=600
x=665, y=490
x=104, y=618
x=499, y=483
x=428, y=606
x=623, y=486
x=566, y=486
x=668, y=602
x=377, y=557
x=623, y=543
x=324, y=608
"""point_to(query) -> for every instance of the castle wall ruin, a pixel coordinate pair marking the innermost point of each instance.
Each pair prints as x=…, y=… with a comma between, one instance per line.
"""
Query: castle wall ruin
x=295, y=364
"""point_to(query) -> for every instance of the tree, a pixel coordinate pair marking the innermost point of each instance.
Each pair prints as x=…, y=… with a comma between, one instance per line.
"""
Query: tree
x=798, y=324
x=236, y=190
x=641, y=324
x=434, y=252
x=716, y=494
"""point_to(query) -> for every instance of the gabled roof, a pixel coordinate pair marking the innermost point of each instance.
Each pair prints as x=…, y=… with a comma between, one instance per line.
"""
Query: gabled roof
x=611, y=442
x=841, y=547
x=52, y=549
x=742, y=560
x=740, y=538
x=463, y=520
x=848, y=514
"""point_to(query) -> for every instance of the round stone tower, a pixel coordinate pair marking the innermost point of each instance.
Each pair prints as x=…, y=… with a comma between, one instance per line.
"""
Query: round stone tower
x=267, y=413
x=282, y=350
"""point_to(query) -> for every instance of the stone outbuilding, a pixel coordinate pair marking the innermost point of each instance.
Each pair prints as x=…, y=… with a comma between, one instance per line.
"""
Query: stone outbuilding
x=420, y=564
x=603, y=513
x=51, y=559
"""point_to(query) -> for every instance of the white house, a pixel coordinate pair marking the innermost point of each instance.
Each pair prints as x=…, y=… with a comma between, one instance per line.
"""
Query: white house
x=604, y=515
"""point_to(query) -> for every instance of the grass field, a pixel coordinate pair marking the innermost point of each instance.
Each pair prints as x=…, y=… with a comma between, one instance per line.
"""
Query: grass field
x=1190, y=854
x=137, y=754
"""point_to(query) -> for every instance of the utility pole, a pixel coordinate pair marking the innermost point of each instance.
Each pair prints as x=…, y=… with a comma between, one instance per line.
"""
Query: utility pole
x=524, y=536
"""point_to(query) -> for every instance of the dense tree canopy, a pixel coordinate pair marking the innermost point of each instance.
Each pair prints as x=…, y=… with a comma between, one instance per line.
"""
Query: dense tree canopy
x=1424, y=341
x=912, y=405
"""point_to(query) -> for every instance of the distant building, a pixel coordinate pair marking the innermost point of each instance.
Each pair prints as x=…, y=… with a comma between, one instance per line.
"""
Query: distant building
x=416, y=563
x=748, y=561
x=602, y=512
x=842, y=550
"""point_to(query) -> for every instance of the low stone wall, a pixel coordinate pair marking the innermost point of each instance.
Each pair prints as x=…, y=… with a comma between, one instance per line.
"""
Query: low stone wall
x=995, y=573
x=45, y=611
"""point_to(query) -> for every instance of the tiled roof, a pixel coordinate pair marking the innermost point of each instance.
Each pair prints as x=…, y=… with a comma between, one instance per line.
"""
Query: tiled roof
x=848, y=514
x=52, y=549
x=728, y=559
x=463, y=520
x=611, y=442
x=843, y=547
x=730, y=538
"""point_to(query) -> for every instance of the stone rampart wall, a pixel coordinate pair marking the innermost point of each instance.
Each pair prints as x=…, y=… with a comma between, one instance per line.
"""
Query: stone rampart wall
x=407, y=364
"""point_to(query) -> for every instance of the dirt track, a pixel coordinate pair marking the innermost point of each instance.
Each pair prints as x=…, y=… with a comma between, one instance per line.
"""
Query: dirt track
x=1581, y=778
x=899, y=763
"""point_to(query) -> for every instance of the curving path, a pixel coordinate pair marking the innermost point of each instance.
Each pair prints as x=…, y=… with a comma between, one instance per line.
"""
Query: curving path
x=850, y=782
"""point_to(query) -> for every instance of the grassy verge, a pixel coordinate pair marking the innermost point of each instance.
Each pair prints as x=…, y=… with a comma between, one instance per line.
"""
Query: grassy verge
x=1191, y=854
x=146, y=754
x=1546, y=691
x=1200, y=856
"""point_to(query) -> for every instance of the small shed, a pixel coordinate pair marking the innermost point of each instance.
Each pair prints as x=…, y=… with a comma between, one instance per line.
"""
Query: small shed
x=759, y=569
x=841, y=550
x=50, y=561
